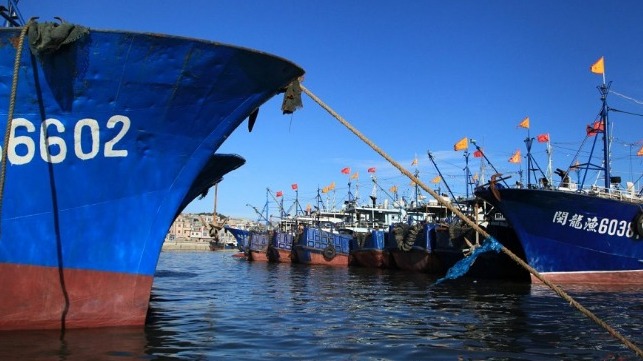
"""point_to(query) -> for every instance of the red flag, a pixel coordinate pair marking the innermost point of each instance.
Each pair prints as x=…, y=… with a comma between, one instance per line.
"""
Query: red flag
x=371, y=170
x=279, y=193
x=294, y=186
x=477, y=154
x=597, y=127
x=346, y=170
x=542, y=138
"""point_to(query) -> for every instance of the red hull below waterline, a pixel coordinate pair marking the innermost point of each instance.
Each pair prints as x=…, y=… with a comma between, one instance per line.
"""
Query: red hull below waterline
x=611, y=278
x=371, y=259
x=36, y=298
x=281, y=255
x=258, y=256
x=418, y=261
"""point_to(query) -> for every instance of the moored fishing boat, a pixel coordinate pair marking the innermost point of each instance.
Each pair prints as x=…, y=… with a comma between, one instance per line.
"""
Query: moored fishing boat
x=368, y=226
x=287, y=232
x=258, y=244
x=281, y=248
x=368, y=249
x=420, y=244
x=578, y=233
x=241, y=235
x=111, y=135
x=316, y=246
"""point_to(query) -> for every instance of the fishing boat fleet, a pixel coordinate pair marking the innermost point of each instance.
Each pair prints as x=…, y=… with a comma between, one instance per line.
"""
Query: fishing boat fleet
x=111, y=134
x=420, y=237
x=570, y=232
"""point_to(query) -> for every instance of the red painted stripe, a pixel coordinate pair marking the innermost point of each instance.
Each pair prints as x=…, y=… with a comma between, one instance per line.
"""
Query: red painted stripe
x=305, y=255
x=42, y=298
x=622, y=278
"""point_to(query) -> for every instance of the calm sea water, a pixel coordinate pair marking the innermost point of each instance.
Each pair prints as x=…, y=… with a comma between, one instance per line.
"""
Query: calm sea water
x=211, y=306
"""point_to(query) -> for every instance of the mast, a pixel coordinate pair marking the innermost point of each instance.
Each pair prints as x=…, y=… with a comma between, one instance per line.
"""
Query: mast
x=466, y=172
x=441, y=177
x=215, y=218
x=604, y=89
x=473, y=141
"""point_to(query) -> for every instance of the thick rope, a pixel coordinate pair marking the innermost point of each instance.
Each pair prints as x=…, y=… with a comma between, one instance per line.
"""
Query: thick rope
x=12, y=103
x=482, y=232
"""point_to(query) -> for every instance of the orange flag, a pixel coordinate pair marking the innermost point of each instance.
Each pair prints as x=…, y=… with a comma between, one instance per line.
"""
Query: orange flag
x=461, y=144
x=437, y=179
x=355, y=175
x=598, y=67
x=393, y=189
x=415, y=161
x=515, y=158
x=640, y=152
x=524, y=123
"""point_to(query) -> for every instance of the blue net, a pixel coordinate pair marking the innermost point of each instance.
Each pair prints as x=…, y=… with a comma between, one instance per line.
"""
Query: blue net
x=463, y=265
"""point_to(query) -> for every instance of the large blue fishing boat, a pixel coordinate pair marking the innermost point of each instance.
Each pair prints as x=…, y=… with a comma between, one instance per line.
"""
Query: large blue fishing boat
x=574, y=233
x=109, y=134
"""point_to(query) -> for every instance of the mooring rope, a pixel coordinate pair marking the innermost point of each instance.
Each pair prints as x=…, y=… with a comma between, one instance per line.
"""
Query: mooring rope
x=12, y=104
x=481, y=231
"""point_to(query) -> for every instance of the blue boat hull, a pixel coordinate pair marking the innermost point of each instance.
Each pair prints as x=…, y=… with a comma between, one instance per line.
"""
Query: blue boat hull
x=573, y=237
x=369, y=250
x=111, y=137
x=241, y=235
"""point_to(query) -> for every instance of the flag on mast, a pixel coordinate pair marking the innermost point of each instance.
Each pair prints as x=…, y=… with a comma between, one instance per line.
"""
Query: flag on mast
x=461, y=144
x=542, y=138
x=598, y=67
x=524, y=123
x=515, y=158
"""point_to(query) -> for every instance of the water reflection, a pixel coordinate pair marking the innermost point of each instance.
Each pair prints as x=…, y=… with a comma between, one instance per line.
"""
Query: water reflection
x=121, y=343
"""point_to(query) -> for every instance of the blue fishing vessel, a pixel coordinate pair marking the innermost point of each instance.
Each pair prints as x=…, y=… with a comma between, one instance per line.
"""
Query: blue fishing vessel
x=258, y=243
x=109, y=135
x=574, y=232
x=316, y=246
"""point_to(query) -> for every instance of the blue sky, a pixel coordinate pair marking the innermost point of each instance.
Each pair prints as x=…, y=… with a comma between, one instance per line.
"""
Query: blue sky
x=412, y=76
